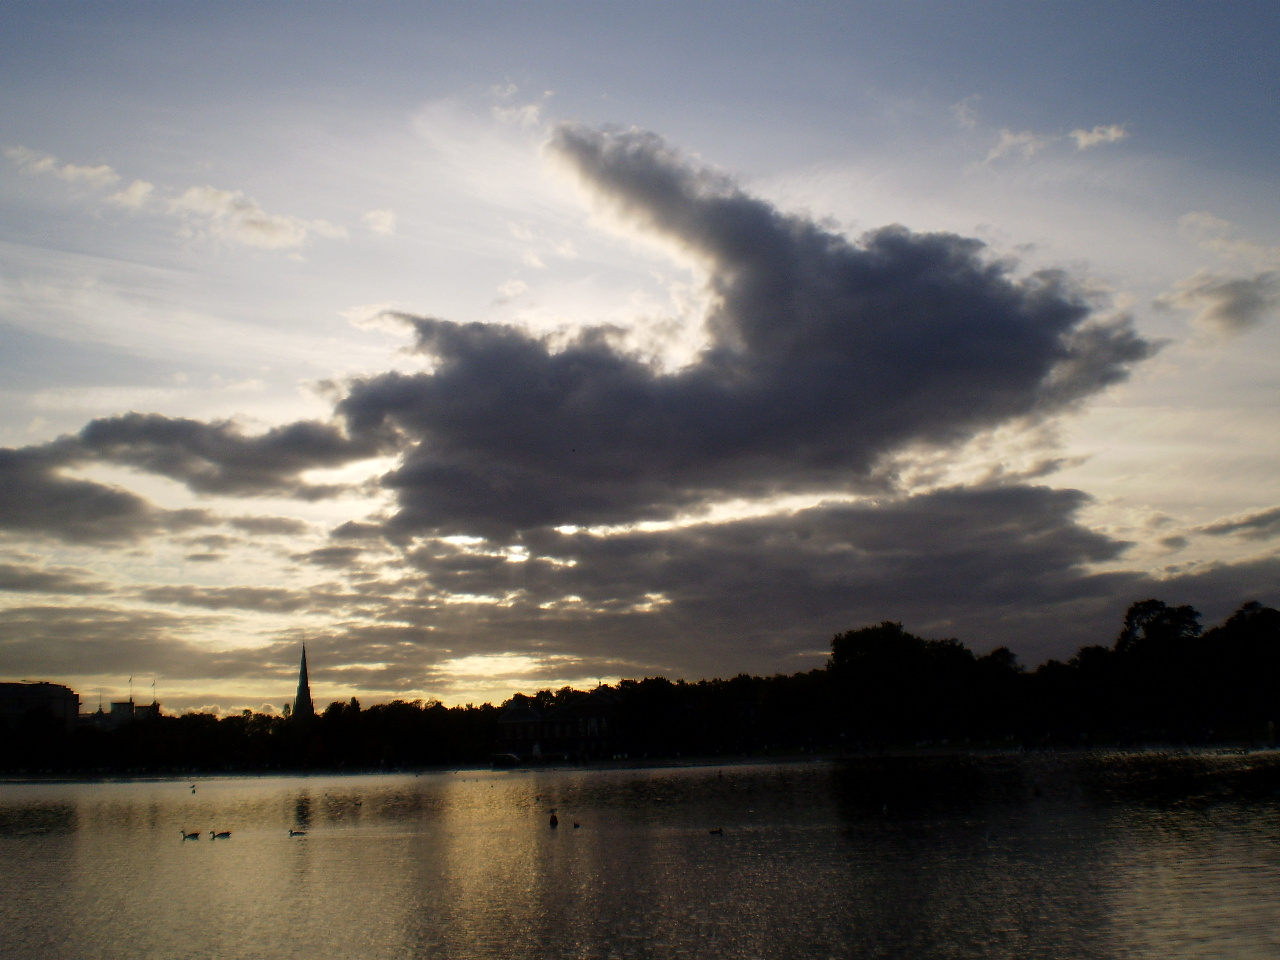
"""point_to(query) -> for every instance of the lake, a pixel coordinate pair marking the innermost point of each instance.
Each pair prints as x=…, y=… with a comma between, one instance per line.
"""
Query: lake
x=1008, y=856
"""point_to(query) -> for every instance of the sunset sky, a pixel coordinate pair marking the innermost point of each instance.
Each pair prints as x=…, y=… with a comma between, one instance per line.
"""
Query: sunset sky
x=492, y=347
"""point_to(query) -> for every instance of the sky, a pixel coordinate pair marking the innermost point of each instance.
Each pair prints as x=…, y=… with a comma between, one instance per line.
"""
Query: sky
x=496, y=347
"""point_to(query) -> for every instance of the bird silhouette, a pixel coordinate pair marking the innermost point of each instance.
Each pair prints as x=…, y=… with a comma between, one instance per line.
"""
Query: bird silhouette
x=189, y=836
x=219, y=834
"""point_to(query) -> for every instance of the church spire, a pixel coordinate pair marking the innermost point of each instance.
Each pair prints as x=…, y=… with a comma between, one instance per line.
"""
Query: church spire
x=302, y=705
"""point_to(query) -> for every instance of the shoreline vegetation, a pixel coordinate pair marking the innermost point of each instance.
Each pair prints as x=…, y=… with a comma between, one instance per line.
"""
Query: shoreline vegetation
x=1164, y=682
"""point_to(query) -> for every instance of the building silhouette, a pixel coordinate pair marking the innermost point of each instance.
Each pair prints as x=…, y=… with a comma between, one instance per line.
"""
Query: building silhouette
x=18, y=700
x=122, y=712
x=302, y=705
x=585, y=727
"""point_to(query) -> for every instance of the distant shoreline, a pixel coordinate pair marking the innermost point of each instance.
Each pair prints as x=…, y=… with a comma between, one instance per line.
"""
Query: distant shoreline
x=1152, y=751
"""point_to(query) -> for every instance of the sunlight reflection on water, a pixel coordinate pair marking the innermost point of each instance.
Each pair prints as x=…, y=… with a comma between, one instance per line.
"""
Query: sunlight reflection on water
x=1000, y=857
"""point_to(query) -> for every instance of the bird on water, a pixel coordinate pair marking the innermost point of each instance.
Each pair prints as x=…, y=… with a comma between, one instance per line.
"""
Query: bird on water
x=219, y=834
x=189, y=836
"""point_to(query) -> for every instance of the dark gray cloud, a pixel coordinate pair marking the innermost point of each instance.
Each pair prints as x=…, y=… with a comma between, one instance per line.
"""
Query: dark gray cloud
x=824, y=356
x=22, y=578
x=218, y=458
x=1006, y=565
x=36, y=498
x=214, y=541
x=114, y=644
x=1003, y=565
x=339, y=558
x=262, y=599
x=1227, y=304
x=1262, y=525
x=57, y=640
x=269, y=526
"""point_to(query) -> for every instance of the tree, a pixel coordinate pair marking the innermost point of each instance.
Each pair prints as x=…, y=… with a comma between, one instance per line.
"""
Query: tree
x=1154, y=627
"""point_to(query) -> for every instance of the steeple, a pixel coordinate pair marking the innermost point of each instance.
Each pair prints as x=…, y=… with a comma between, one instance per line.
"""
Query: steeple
x=302, y=705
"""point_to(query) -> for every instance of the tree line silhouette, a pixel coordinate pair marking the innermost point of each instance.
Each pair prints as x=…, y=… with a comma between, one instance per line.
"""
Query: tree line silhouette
x=1165, y=679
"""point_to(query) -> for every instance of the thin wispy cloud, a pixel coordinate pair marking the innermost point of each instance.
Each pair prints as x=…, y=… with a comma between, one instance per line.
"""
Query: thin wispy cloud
x=230, y=215
x=525, y=115
x=381, y=222
x=966, y=112
x=1027, y=144
x=1099, y=135
x=1222, y=237
x=206, y=211
x=100, y=176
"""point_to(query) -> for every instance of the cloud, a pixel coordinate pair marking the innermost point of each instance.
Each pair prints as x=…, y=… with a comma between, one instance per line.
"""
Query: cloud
x=975, y=555
x=1203, y=226
x=62, y=640
x=966, y=111
x=1262, y=525
x=381, y=222
x=21, y=578
x=29, y=162
x=261, y=599
x=1007, y=564
x=511, y=289
x=224, y=214
x=1226, y=305
x=1219, y=236
x=269, y=526
x=135, y=195
x=1110, y=133
x=229, y=214
x=824, y=356
x=209, y=458
x=339, y=558
x=527, y=116
x=37, y=498
x=1027, y=144
x=218, y=458
x=115, y=643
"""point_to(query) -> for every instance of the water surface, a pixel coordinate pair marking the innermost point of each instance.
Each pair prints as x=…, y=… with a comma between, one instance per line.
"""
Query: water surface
x=1007, y=857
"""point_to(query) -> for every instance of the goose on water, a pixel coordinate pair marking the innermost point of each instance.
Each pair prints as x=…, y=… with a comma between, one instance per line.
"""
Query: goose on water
x=219, y=834
x=189, y=836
